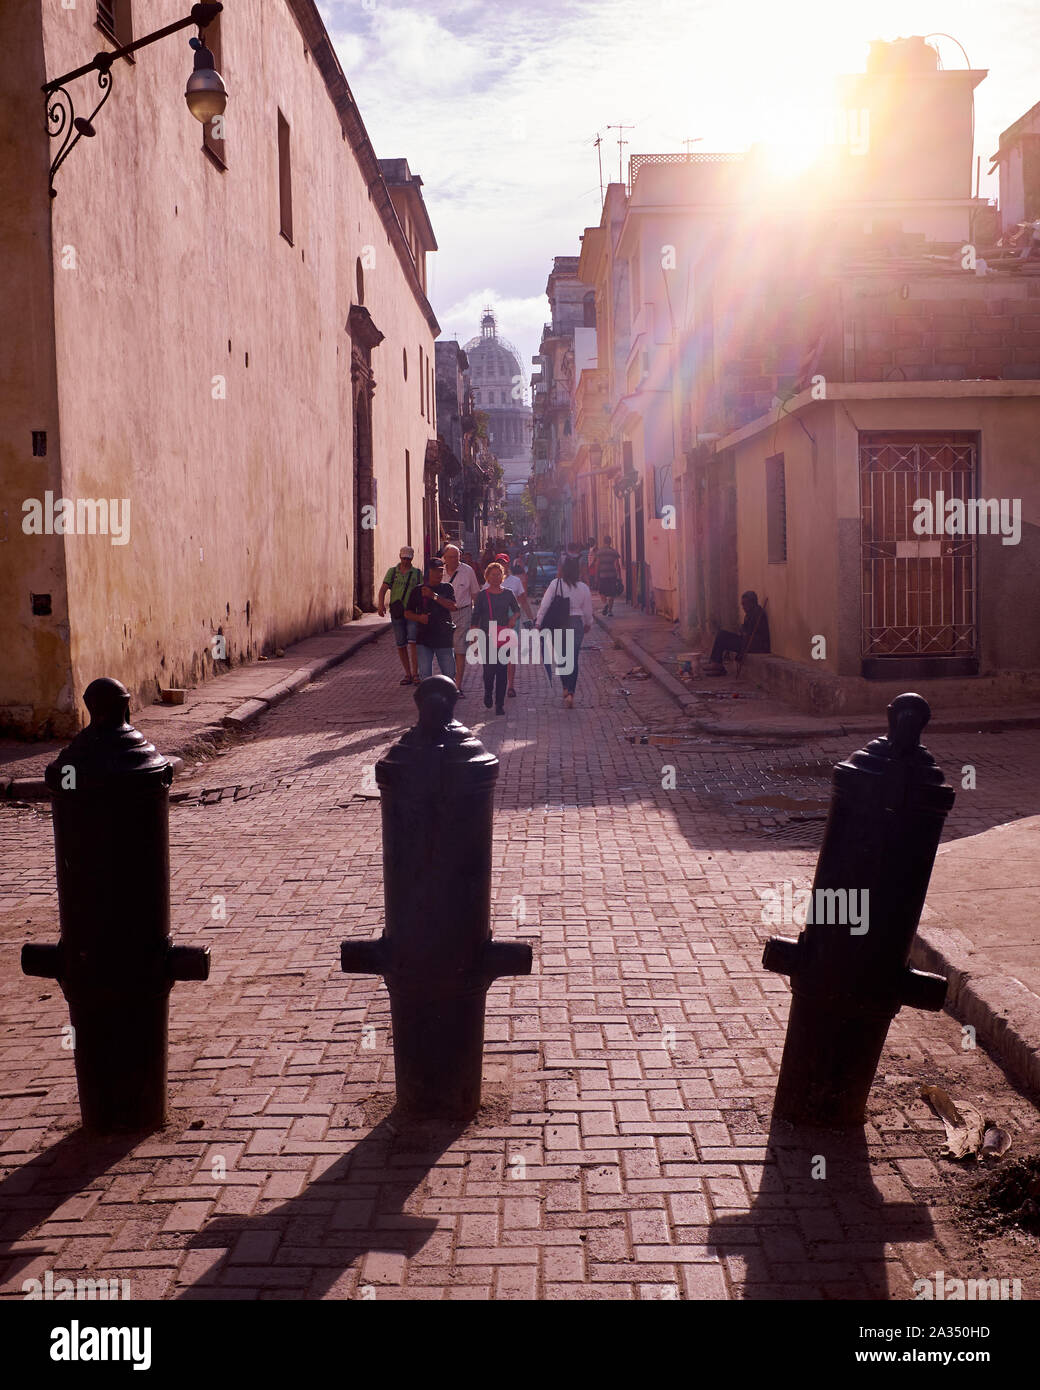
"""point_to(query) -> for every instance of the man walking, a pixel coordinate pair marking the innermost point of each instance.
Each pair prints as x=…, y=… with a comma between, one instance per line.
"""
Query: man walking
x=400, y=582
x=430, y=608
x=752, y=637
x=466, y=587
x=608, y=576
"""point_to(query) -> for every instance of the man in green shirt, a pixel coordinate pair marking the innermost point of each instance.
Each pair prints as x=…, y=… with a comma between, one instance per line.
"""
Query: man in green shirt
x=400, y=582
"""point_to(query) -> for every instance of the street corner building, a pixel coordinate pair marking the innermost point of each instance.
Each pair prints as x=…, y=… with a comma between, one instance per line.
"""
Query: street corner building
x=825, y=390
x=217, y=369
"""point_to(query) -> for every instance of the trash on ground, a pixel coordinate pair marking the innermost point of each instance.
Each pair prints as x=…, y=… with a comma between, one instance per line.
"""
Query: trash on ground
x=965, y=1127
x=995, y=1142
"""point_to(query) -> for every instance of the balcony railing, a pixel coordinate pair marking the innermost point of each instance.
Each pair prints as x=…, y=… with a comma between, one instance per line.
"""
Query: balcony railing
x=637, y=161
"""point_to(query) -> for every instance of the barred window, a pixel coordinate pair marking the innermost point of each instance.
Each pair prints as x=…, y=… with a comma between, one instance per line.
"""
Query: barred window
x=776, y=510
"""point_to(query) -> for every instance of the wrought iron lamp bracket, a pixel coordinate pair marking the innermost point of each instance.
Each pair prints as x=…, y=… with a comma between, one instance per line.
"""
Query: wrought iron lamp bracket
x=62, y=122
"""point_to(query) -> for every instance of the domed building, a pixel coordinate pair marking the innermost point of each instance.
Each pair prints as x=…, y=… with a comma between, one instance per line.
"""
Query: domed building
x=498, y=383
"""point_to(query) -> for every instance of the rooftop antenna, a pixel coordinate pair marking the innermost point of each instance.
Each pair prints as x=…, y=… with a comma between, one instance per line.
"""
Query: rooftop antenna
x=620, y=152
x=691, y=140
x=598, y=142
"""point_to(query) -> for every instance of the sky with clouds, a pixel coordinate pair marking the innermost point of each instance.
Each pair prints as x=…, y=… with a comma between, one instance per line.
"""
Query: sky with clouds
x=496, y=105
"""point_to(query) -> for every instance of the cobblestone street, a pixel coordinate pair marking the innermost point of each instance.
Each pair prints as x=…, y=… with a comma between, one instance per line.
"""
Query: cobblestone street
x=624, y=1149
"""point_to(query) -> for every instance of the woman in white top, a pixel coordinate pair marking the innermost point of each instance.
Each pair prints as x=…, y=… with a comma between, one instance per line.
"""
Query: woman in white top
x=516, y=583
x=569, y=586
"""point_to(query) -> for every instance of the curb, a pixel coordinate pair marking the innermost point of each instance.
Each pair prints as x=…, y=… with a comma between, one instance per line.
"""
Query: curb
x=205, y=738
x=668, y=683
x=252, y=709
x=860, y=725
x=1004, y=1014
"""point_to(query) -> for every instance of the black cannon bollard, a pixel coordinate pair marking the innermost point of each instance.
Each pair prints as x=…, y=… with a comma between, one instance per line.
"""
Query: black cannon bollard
x=889, y=802
x=115, y=961
x=436, y=953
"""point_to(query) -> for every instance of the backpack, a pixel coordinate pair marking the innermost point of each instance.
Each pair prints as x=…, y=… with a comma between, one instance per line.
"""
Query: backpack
x=399, y=606
x=558, y=614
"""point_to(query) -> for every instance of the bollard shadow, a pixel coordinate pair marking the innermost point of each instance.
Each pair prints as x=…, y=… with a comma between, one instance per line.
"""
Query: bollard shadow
x=818, y=1237
x=34, y=1192
x=352, y=1209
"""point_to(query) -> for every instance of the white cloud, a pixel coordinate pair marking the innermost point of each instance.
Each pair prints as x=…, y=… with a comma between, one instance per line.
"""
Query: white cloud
x=496, y=106
x=418, y=54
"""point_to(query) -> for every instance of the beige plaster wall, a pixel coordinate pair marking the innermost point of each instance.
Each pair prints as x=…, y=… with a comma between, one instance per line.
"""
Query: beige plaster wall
x=241, y=509
x=818, y=590
x=34, y=669
x=803, y=591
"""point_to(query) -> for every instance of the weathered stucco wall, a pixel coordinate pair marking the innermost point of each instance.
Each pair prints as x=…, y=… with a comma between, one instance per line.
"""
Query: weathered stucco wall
x=1008, y=575
x=203, y=362
x=803, y=591
x=35, y=662
x=818, y=590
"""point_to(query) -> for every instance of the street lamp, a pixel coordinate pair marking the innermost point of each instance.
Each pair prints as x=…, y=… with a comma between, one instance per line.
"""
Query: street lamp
x=205, y=93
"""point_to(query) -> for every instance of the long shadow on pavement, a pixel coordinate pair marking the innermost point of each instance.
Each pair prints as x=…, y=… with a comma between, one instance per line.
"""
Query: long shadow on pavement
x=821, y=1236
x=354, y=1208
x=34, y=1192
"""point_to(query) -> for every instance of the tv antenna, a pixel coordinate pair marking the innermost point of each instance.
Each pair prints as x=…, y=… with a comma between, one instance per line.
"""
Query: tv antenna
x=691, y=140
x=620, y=144
x=598, y=142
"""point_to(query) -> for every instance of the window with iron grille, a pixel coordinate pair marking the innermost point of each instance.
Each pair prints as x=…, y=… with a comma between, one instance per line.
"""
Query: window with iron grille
x=776, y=510
x=664, y=492
x=115, y=21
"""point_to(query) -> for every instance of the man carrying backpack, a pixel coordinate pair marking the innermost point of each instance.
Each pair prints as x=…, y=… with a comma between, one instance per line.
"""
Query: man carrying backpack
x=400, y=582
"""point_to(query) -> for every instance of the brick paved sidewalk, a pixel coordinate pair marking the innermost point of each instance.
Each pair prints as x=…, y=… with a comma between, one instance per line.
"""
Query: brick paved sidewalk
x=740, y=706
x=213, y=707
x=980, y=928
x=625, y=1148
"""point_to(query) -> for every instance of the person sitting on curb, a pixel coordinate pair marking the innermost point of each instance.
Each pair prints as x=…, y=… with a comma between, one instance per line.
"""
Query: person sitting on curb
x=399, y=582
x=752, y=637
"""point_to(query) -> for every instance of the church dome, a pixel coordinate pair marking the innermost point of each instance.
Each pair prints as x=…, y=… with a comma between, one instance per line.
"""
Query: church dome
x=497, y=381
x=494, y=363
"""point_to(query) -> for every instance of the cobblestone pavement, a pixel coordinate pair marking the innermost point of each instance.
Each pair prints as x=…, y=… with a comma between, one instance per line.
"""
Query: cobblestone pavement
x=624, y=1149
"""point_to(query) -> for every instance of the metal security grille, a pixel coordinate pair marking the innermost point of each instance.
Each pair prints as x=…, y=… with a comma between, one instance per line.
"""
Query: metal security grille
x=919, y=596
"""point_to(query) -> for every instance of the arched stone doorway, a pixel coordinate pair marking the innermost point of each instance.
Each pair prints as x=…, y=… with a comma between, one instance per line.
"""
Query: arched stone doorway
x=364, y=505
x=364, y=337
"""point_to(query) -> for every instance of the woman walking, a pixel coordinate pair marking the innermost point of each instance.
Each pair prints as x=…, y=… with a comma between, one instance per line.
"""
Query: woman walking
x=498, y=605
x=516, y=583
x=608, y=575
x=579, y=598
